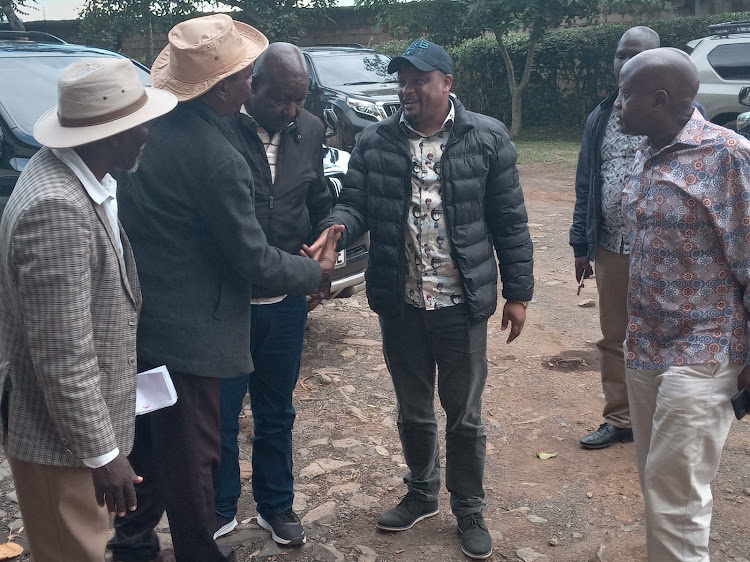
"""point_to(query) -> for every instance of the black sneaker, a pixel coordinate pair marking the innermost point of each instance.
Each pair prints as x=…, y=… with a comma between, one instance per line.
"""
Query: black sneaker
x=285, y=528
x=407, y=513
x=476, y=541
x=224, y=525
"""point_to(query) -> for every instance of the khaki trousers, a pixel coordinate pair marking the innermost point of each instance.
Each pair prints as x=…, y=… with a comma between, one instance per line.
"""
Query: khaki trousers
x=681, y=419
x=60, y=515
x=612, y=284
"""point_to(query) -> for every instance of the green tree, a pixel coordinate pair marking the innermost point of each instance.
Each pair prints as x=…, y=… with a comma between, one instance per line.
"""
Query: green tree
x=450, y=21
x=9, y=9
x=106, y=22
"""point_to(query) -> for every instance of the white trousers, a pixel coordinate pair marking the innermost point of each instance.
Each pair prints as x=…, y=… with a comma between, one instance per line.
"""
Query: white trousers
x=681, y=417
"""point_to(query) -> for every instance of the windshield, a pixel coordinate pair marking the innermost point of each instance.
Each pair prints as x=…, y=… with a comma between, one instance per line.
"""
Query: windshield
x=29, y=86
x=345, y=69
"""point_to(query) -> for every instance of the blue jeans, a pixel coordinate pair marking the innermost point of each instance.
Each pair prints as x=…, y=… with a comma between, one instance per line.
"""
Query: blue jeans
x=276, y=344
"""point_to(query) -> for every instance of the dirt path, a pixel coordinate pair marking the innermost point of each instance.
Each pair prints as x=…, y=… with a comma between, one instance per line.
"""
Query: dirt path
x=543, y=394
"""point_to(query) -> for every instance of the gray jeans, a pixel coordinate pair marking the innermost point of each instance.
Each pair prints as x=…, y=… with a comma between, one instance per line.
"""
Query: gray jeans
x=414, y=345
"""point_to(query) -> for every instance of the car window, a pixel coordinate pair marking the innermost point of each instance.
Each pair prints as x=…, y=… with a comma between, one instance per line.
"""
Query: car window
x=33, y=89
x=344, y=69
x=731, y=61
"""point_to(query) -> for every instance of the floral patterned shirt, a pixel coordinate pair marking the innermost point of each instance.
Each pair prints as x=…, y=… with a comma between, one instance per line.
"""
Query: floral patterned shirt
x=433, y=280
x=618, y=153
x=687, y=209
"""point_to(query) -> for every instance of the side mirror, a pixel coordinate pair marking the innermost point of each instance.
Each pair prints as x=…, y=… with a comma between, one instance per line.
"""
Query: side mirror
x=331, y=121
x=744, y=96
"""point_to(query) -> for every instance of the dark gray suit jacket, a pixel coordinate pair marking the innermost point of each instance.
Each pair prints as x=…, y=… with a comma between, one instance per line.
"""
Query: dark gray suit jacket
x=189, y=213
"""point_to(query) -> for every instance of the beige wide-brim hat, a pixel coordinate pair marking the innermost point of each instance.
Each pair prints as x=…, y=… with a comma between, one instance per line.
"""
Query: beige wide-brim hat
x=203, y=51
x=99, y=98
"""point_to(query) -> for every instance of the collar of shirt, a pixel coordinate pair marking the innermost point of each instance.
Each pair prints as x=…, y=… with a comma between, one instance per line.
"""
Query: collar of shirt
x=447, y=123
x=262, y=133
x=690, y=135
x=98, y=191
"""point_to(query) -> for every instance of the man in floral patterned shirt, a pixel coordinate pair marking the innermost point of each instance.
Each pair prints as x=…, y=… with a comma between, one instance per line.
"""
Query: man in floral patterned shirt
x=688, y=215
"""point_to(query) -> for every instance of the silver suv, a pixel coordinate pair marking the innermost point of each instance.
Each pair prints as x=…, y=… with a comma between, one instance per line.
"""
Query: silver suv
x=723, y=61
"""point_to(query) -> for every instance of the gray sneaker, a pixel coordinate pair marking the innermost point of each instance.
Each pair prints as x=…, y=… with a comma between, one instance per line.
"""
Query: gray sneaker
x=476, y=541
x=407, y=513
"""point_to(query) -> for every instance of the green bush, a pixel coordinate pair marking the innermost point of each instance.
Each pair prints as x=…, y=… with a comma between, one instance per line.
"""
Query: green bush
x=572, y=69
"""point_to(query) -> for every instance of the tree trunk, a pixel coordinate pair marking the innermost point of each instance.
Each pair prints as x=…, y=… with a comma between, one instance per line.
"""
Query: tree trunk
x=516, y=89
x=516, y=112
x=15, y=23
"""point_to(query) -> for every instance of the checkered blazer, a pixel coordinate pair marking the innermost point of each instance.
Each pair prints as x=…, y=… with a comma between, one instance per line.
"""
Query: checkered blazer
x=68, y=317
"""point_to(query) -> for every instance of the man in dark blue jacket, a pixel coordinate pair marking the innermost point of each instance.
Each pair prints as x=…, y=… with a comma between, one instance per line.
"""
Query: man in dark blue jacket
x=598, y=233
x=282, y=143
x=437, y=187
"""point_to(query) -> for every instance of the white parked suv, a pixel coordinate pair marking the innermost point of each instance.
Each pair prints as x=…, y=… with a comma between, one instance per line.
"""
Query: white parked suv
x=723, y=61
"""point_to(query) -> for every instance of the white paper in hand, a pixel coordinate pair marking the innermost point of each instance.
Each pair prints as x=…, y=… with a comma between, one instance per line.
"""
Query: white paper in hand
x=154, y=390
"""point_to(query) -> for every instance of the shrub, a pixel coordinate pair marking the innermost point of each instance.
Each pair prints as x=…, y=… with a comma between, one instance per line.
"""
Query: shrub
x=572, y=68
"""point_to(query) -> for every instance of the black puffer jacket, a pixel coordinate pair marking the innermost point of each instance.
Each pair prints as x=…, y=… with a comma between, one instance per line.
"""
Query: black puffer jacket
x=483, y=206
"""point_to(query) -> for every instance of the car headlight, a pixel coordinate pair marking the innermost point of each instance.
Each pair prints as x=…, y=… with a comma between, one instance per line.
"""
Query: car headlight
x=365, y=108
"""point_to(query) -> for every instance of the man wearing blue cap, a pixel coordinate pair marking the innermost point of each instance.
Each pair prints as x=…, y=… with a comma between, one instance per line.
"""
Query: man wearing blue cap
x=437, y=187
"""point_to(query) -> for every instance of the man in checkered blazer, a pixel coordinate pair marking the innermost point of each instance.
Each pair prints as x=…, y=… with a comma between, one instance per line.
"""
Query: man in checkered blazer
x=69, y=304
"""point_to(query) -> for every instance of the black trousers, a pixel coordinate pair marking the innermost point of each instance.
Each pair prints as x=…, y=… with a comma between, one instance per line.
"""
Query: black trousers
x=418, y=346
x=177, y=451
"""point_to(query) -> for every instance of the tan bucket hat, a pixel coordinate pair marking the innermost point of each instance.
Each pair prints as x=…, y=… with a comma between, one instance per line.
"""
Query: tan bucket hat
x=99, y=98
x=203, y=51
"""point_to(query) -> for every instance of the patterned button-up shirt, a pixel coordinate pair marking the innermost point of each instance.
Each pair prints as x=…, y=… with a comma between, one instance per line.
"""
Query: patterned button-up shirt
x=433, y=280
x=618, y=153
x=687, y=209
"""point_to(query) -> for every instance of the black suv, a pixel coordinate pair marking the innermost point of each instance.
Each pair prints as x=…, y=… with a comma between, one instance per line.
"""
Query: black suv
x=355, y=83
x=30, y=63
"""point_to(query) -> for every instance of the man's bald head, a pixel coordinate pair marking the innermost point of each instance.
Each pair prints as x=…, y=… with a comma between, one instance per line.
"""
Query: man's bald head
x=666, y=69
x=280, y=85
x=283, y=58
x=657, y=89
x=634, y=41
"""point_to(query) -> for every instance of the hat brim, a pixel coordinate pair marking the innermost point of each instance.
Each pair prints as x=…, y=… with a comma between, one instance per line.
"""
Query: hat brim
x=48, y=131
x=162, y=78
x=418, y=63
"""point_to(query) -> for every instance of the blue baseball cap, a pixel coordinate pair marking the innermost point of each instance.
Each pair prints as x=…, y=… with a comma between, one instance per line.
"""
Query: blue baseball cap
x=425, y=56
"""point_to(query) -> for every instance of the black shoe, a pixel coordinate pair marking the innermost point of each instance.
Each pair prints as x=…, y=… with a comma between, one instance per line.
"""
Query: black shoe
x=224, y=525
x=285, y=528
x=407, y=513
x=606, y=435
x=476, y=541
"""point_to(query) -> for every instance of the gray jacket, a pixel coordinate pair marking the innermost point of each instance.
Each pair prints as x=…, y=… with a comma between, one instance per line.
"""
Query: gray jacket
x=68, y=317
x=190, y=216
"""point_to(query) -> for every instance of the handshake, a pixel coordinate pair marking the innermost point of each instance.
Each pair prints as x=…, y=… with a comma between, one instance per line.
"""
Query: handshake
x=323, y=250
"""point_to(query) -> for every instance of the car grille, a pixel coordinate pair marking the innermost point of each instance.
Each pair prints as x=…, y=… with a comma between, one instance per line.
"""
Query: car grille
x=391, y=108
x=356, y=252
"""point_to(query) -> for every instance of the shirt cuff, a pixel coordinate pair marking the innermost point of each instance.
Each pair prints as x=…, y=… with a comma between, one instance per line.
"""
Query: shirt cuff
x=101, y=460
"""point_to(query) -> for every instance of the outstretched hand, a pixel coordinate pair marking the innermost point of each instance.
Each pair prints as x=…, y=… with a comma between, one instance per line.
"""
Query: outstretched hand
x=515, y=313
x=323, y=250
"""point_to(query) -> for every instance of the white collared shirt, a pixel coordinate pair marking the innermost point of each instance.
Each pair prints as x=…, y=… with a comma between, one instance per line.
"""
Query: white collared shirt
x=103, y=193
